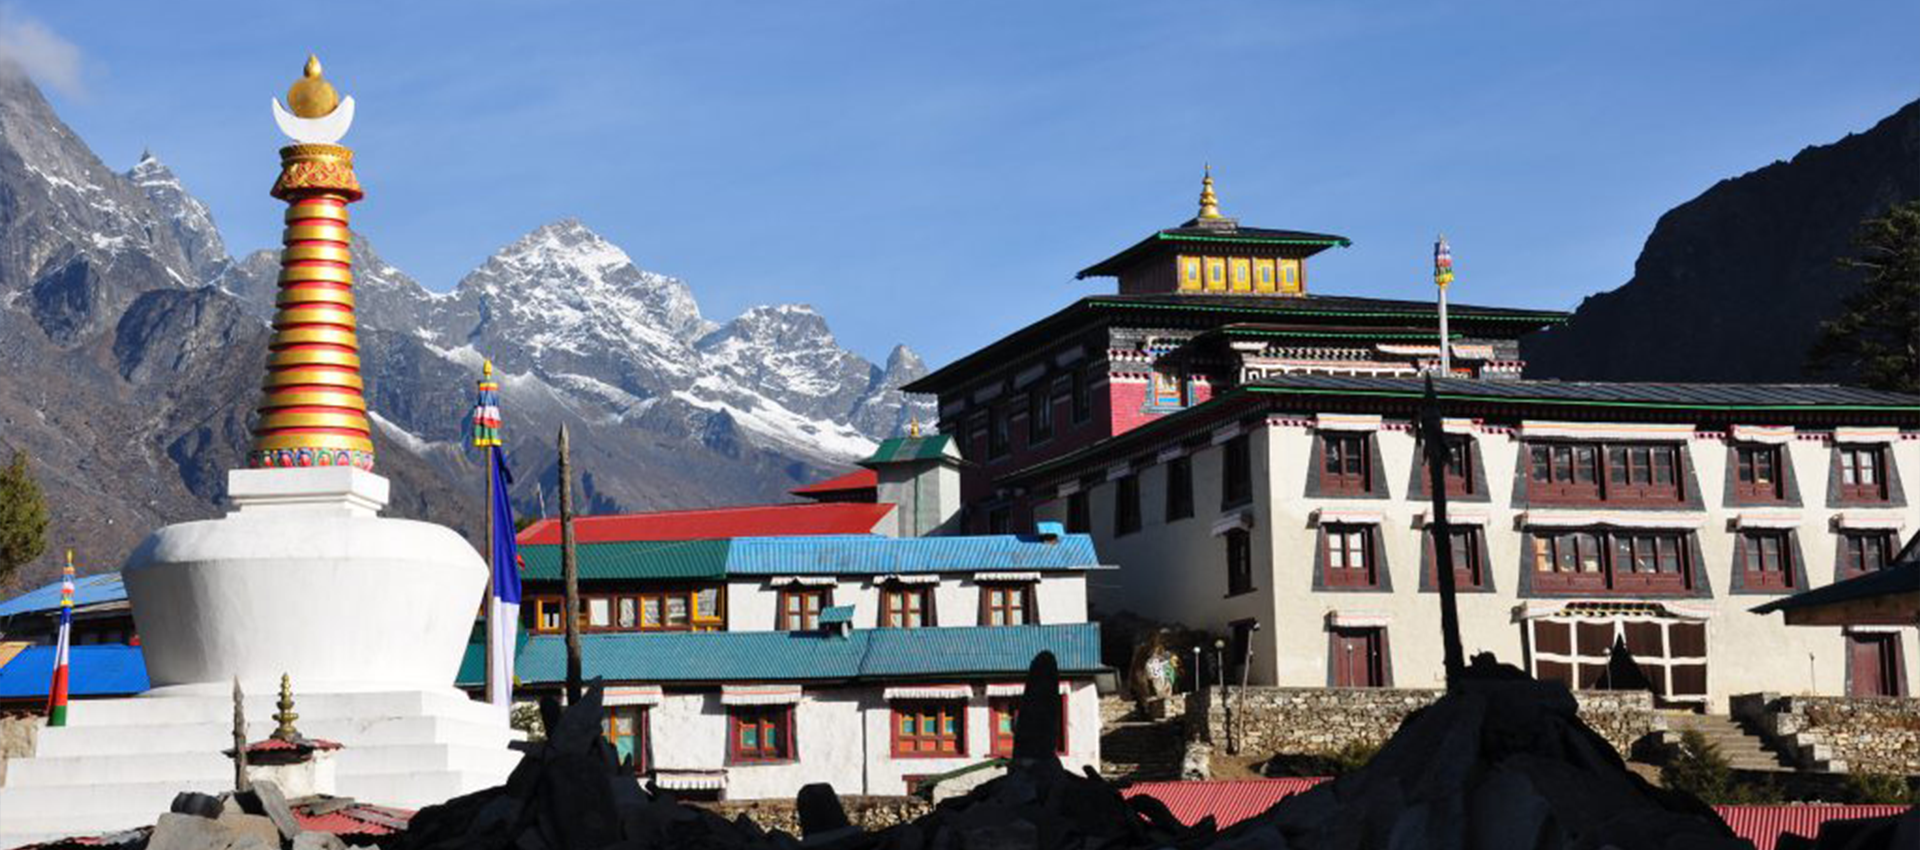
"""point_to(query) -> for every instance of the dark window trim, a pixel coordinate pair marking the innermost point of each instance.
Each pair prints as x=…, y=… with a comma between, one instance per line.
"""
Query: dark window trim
x=1698, y=585
x=1079, y=511
x=1417, y=488
x=1179, y=489
x=1127, y=513
x=892, y=590
x=1029, y=599
x=1741, y=580
x=1080, y=394
x=1317, y=487
x=1895, y=497
x=1740, y=496
x=1239, y=582
x=1842, y=561
x=1040, y=428
x=1382, y=574
x=919, y=709
x=1236, y=473
x=1527, y=492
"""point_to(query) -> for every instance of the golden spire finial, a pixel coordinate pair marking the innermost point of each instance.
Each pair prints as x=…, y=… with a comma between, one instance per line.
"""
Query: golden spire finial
x=312, y=96
x=1209, y=205
x=286, y=732
x=486, y=368
x=913, y=427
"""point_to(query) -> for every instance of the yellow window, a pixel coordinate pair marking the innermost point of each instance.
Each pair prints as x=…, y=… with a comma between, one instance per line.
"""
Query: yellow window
x=1216, y=274
x=1190, y=274
x=1242, y=274
x=1290, y=276
x=1263, y=275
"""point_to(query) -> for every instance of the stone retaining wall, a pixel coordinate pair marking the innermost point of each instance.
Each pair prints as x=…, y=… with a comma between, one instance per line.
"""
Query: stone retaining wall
x=1846, y=734
x=1270, y=720
x=869, y=813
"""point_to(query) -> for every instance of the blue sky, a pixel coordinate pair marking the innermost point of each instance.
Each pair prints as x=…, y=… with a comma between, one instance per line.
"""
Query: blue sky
x=936, y=173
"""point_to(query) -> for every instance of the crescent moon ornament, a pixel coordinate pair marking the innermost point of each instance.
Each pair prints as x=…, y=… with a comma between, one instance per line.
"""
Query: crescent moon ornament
x=325, y=130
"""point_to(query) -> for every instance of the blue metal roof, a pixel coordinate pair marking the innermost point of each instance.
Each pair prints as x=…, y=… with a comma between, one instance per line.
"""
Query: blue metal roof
x=108, y=669
x=87, y=590
x=872, y=555
x=802, y=656
x=836, y=615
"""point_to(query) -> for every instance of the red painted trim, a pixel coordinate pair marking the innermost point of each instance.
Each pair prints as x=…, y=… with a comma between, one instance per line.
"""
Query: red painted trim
x=908, y=746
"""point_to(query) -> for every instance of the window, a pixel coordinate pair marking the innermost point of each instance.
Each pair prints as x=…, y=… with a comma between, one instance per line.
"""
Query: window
x=1179, y=488
x=1350, y=556
x=546, y=614
x=1239, y=648
x=1082, y=395
x=934, y=729
x=1236, y=476
x=1216, y=274
x=1079, y=513
x=1626, y=561
x=1359, y=657
x=1648, y=473
x=905, y=606
x=1242, y=278
x=1126, y=505
x=1862, y=552
x=1468, y=572
x=1006, y=604
x=977, y=441
x=1290, y=276
x=1190, y=274
x=1166, y=390
x=1040, y=412
x=1767, y=560
x=1345, y=466
x=1564, y=471
x=1239, y=561
x=1759, y=475
x=1000, y=521
x=1459, y=467
x=1006, y=715
x=625, y=728
x=1263, y=275
x=999, y=432
x=760, y=733
x=800, y=607
x=1862, y=474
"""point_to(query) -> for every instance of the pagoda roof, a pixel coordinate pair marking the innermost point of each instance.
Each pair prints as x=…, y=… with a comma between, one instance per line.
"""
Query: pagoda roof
x=1193, y=234
x=1232, y=309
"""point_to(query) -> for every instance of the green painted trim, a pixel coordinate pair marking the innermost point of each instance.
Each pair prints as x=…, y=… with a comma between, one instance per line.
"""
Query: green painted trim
x=1252, y=240
x=1337, y=334
x=1653, y=405
x=1555, y=318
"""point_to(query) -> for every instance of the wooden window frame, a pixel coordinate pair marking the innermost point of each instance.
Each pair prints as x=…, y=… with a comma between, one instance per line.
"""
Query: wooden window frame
x=1469, y=573
x=1040, y=412
x=824, y=597
x=911, y=746
x=1853, y=461
x=1126, y=505
x=999, y=432
x=763, y=718
x=1179, y=488
x=1001, y=734
x=1239, y=546
x=898, y=599
x=1618, y=557
x=1079, y=512
x=1755, y=555
x=1236, y=471
x=1458, y=472
x=1166, y=391
x=1346, y=463
x=1554, y=470
x=642, y=734
x=1863, y=551
x=1082, y=395
x=1339, y=537
x=1752, y=483
x=1004, y=598
x=1633, y=473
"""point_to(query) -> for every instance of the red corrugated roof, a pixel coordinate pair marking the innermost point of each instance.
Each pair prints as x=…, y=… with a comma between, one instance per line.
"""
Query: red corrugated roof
x=357, y=819
x=1232, y=801
x=715, y=523
x=859, y=479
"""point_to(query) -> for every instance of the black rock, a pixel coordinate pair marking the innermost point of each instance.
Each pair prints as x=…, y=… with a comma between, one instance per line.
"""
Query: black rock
x=196, y=803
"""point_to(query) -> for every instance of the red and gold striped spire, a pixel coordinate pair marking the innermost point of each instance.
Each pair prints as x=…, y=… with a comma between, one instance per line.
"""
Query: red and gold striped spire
x=313, y=411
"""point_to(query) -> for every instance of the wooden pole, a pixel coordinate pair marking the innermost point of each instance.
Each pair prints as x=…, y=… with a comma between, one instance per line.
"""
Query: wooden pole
x=569, y=572
x=1433, y=434
x=486, y=603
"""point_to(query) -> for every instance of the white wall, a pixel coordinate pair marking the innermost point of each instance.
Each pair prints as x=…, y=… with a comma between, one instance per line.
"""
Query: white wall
x=844, y=736
x=1176, y=571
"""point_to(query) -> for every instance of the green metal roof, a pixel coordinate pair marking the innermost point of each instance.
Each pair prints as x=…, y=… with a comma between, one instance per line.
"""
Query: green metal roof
x=651, y=559
x=898, y=449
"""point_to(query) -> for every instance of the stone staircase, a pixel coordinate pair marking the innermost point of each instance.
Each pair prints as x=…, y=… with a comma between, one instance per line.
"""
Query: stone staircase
x=1743, y=750
x=1136, y=749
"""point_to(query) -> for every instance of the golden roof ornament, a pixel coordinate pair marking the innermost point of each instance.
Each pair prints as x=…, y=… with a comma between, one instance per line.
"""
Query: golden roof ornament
x=312, y=96
x=285, y=716
x=913, y=428
x=1209, y=205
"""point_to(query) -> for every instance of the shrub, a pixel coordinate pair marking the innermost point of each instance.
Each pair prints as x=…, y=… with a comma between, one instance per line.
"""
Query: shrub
x=1698, y=768
x=1878, y=788
x=1344, y=760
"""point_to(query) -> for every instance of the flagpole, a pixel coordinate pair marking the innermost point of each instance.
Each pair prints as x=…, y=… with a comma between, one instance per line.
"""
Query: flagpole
x=1443, y=275
x=57, y=690
x=492, y=607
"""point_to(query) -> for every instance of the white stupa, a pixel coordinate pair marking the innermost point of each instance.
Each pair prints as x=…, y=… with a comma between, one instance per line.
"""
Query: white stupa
x=369, y=616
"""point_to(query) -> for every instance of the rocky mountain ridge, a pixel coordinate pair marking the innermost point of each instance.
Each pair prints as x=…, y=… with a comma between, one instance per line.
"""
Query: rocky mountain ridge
x=131, y=346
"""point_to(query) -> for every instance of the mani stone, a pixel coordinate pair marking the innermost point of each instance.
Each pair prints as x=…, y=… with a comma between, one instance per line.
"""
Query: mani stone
x=266, y=800
x=177, y=831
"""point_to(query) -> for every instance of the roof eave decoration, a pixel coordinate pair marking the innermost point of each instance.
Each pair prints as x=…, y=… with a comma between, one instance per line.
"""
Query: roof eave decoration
x=1114, y=265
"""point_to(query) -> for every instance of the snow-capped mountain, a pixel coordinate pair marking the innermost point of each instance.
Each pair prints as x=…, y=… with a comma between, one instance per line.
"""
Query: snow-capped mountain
x=131, y=346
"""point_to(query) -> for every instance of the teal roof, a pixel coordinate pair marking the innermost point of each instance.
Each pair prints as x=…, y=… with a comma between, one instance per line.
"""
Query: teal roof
x=836, y=615
x=664, y=559
x=898, y=449
x=689, y=657
x=820, y=554
x=87, y=590
x=869, y=555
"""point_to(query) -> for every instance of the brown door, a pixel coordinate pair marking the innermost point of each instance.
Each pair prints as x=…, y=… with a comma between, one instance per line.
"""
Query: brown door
x=1873, y=665
x=1357, y=661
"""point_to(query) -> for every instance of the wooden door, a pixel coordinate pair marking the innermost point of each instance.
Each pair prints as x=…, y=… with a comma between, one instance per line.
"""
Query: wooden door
x=1873, y=666
x=1357, y=661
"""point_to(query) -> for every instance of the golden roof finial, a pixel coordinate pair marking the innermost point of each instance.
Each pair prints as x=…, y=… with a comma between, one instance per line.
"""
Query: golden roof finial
x=312, y=96
x=913, y=427
x=286, y=732
x=1209, y=205
x=486, y=368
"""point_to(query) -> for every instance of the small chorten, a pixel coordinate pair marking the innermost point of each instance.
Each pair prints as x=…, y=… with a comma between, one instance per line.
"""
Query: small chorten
x=285, y=716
